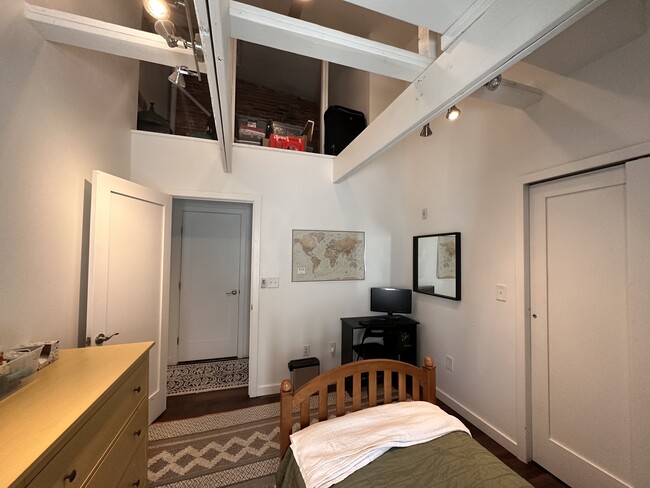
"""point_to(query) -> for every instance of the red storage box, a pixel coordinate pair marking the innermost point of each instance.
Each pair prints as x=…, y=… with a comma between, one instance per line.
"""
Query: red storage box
x=287, y=142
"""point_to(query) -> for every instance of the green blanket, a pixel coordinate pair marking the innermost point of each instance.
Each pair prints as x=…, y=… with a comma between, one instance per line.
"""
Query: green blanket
x=453, y=460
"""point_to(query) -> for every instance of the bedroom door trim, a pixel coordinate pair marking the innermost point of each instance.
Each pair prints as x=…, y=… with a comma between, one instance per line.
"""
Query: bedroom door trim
x=523, y=449
x=256, y=203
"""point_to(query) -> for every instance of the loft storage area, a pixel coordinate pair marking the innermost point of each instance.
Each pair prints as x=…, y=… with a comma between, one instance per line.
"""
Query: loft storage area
x=276, y=93
x=171, y=109
x=277, y=101
x=169, y=103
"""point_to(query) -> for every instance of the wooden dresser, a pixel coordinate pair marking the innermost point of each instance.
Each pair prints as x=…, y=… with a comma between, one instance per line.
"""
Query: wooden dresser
x=80, y=422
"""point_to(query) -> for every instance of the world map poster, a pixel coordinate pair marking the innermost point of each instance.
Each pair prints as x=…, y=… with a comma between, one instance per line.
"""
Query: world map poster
x=325, y=255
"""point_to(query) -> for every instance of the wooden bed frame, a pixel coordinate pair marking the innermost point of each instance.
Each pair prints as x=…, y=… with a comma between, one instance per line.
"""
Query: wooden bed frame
x=423, y=388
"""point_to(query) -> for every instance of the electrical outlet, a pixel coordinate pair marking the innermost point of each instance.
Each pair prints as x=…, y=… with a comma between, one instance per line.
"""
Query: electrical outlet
x=450, y=363
x=273, y=282
x=306, y=351
x=332, y=349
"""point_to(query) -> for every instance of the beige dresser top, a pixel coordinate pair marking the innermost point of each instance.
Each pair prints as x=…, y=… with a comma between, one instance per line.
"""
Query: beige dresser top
x=40, y=417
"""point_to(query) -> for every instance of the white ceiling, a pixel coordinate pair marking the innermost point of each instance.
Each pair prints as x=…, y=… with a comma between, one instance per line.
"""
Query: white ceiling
x=479, y=39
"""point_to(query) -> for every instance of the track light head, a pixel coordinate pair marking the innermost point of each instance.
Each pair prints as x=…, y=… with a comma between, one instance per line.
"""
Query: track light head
x=158, y=9
x=453, y=113
x=494, y=83
x=426, y=130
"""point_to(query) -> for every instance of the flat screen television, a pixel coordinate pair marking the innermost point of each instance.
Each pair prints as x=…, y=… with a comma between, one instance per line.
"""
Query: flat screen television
x=390, y=300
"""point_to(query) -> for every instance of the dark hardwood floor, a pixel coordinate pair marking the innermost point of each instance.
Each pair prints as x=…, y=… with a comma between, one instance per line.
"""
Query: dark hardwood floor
x=195, y=405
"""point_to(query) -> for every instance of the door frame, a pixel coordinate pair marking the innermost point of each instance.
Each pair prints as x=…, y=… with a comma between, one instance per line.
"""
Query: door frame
x=256, y=203
x=523, y=390
x=179, y=206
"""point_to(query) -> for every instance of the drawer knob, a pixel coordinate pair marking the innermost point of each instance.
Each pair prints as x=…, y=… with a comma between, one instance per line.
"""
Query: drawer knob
x=136, y=483
x=70, y=477
x=137, y=390
x=137, y=433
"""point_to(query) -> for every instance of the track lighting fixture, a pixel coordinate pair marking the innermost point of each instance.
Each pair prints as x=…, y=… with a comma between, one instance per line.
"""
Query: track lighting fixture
x=177, y=77
x=494, y=83
x=426, y=130
x=453, y=113
x=160, y=9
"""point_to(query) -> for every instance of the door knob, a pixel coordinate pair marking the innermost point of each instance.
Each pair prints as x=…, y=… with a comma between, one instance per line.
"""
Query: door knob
x=101, y=338
x=234, y=292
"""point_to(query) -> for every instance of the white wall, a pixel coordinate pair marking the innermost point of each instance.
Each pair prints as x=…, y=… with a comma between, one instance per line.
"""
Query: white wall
x=467, y=174
x=296, y=192
x=65, y=111
x=349, y=88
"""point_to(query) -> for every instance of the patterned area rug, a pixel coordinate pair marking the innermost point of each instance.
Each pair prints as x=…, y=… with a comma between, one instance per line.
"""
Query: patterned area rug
x=236, y=449
x=206, y=376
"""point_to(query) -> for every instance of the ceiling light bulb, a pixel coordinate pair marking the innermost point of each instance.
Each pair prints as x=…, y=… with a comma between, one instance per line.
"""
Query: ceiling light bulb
x=157, y=8
x=453, y=113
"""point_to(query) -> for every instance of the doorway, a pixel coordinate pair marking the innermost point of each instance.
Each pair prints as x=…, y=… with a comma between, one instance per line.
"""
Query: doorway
x=210, y=280
x=579, y=328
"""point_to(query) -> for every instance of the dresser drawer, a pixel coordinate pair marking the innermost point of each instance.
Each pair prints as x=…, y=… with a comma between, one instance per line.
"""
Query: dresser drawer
x=136, y=473
x=74, y=463
x=113, y=466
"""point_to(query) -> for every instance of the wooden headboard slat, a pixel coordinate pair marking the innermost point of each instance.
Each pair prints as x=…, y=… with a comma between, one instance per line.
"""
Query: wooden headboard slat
x=322, y=403
x=340, y=397
x=416, y=389
x=423, y=382
x=401, y=387
x=356, y=391
x=304, y=413
x=372, y=388
x=388, y=387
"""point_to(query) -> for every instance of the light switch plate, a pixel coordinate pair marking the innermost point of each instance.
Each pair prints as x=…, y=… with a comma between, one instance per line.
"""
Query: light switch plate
x=502, y=293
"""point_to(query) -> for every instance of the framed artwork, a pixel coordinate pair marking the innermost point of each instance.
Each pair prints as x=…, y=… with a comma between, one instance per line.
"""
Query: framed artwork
x=328, y=255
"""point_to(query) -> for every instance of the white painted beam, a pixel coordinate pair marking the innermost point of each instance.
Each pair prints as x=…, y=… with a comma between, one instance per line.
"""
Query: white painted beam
x=214, y=29
x=75, y=30
x=504, y=34
x=464, y=22
x=267, y=28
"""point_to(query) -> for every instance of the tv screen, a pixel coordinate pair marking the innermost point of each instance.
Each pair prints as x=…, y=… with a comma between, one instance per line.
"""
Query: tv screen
x=390, y=300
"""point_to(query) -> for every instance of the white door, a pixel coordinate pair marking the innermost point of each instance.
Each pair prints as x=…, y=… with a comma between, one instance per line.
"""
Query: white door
x=212, y=243
x=128, y=276
x=579, y=342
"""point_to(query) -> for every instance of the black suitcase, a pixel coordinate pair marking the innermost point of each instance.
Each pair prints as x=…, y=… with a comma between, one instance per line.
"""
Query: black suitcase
x=342, y=125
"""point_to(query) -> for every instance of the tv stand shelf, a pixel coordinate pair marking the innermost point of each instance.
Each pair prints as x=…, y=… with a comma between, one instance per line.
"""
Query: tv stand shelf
x=406, y=335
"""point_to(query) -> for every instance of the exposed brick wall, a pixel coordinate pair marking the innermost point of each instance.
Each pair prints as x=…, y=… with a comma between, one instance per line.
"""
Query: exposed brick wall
x=251, y=100
x=258, y=101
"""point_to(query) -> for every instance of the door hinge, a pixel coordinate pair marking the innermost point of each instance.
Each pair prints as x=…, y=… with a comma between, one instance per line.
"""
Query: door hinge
x=179, y=285
x=178, y=339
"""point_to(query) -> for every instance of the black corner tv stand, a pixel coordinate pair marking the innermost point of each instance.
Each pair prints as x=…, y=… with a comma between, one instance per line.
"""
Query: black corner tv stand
x=402, y=330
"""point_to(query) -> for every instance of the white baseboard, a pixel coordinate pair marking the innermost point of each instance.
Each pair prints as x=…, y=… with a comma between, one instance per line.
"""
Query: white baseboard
x=263, y=390
x=492, y=432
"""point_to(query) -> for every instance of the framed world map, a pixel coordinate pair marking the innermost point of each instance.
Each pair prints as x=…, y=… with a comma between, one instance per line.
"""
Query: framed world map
x=327, y=255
